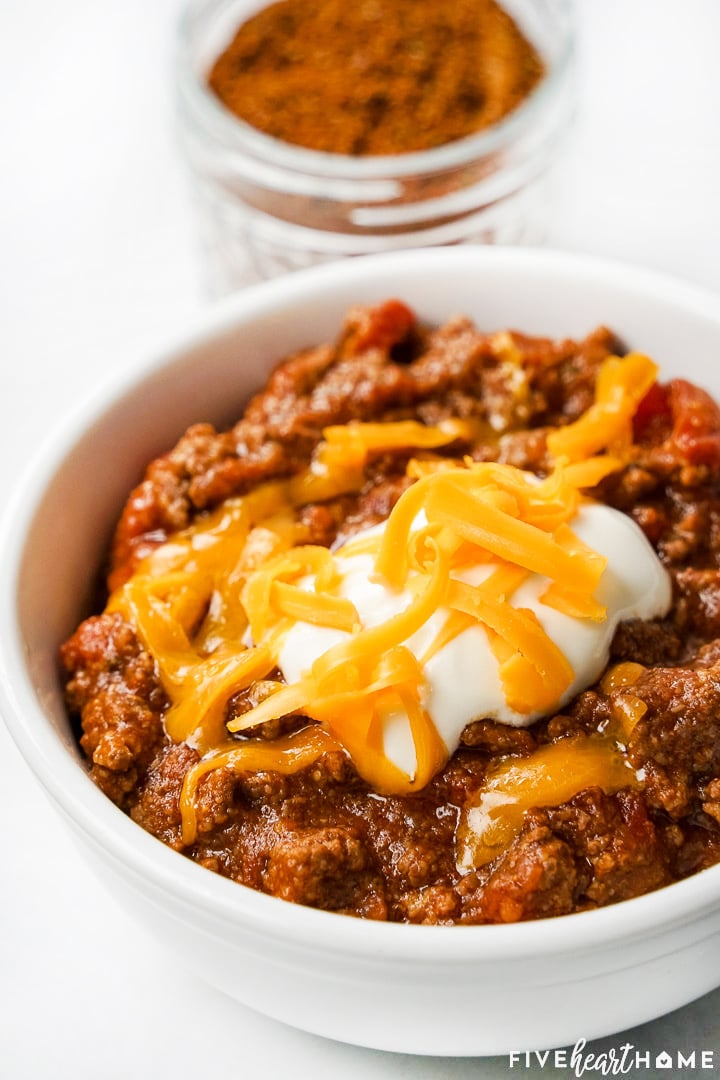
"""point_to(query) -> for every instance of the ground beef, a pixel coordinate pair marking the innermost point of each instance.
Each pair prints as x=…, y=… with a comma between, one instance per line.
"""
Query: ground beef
x=535, y=878
x=677, y=741
x=114, y=688
x=321, y=837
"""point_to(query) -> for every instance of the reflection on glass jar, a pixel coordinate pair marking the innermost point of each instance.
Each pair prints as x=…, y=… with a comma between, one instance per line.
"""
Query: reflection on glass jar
x=267, y=206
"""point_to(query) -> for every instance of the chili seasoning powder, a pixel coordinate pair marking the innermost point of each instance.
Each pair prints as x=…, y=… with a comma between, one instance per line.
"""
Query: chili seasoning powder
x=374, y=77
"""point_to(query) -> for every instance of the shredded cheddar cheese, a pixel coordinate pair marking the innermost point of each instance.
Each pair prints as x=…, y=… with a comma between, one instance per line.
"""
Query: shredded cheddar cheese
x=213, y=604
x=474, y=513
x=607, y=425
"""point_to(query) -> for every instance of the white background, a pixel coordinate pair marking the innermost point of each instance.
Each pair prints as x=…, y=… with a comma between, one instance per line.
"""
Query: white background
x=97, y=261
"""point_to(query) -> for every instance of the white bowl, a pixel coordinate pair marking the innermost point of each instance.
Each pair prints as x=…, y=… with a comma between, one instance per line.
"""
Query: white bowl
x=428, y=990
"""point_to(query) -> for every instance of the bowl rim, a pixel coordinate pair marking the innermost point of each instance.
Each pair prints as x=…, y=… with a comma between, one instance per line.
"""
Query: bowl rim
x=224, y=901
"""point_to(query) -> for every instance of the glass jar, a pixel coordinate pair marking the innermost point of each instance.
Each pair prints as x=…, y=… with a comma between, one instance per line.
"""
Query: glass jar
x=267, y=206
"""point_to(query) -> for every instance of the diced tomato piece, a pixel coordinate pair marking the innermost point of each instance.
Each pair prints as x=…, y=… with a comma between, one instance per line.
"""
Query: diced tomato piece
x=380, y=327
x=696, y=423
x=653, y=420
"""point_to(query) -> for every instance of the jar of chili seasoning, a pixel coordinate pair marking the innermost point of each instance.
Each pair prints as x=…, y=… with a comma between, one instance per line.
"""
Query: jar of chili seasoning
x=279, y=187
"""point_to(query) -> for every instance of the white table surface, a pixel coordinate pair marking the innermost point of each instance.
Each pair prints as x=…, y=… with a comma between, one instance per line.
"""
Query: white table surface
x=98, y=259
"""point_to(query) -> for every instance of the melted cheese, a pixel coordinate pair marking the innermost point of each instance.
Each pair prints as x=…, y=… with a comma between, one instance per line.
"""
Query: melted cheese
x=548, y=777
x=287, y=755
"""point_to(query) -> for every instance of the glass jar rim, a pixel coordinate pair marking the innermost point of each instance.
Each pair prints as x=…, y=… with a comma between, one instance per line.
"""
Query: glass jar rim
x=236, y=136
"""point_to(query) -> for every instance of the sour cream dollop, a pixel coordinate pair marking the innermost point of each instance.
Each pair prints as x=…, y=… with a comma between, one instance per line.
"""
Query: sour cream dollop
x=462, y=677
